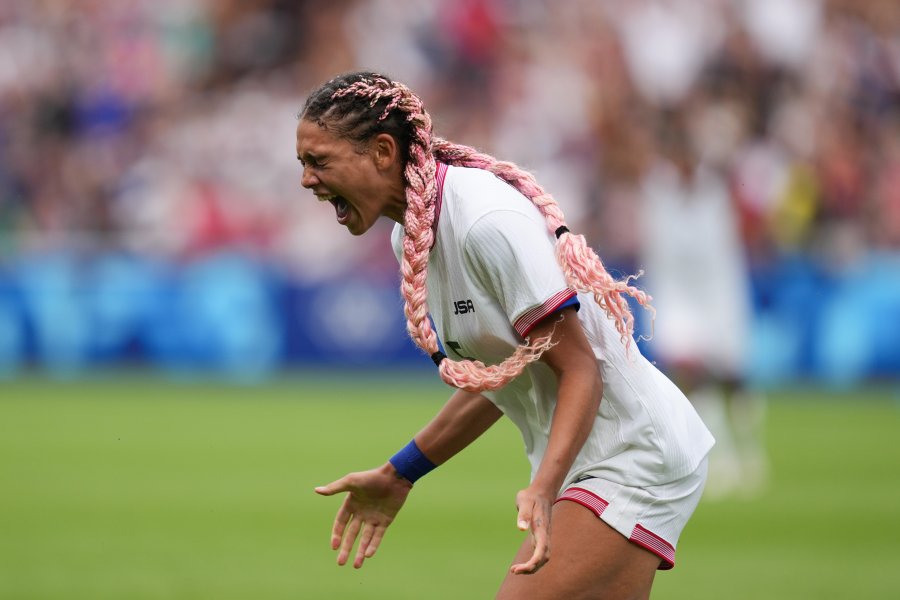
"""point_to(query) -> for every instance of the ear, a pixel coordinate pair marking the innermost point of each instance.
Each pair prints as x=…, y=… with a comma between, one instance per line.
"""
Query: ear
x=385, y=151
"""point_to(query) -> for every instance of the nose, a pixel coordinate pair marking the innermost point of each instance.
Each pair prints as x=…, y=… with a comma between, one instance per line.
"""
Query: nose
x=308, y=179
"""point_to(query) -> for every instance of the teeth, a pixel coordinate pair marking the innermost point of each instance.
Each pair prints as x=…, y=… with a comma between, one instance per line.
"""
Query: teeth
x=326, y=197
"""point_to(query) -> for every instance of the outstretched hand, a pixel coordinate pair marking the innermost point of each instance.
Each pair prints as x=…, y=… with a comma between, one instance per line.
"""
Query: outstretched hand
x=374, y=499
x=534, y=509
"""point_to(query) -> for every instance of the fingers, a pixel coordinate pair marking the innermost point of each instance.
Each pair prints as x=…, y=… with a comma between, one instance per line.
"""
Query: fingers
x=347, y=543
x=538, y=559
x=377, y=536
x=365, y=513
x=533, y=516
x=340, y=523
x=524, y=518
x=365, y=540
x=347, y=527
x=335, y=487
x=344, y=514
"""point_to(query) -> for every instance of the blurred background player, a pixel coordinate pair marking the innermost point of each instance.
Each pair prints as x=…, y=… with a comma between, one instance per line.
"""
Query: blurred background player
x=696, y=271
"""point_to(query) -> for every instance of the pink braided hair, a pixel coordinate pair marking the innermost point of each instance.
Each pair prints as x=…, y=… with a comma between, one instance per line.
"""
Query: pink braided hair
x=583, y=269
x=582, y=266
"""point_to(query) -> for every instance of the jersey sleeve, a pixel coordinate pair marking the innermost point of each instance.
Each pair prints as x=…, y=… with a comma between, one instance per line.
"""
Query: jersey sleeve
x=510, y=254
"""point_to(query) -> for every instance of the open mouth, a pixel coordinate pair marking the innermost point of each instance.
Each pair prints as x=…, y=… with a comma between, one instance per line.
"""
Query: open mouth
x=341, y=207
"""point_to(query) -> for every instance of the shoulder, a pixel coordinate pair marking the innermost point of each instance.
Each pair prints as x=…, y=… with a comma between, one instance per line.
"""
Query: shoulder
x=471, y=194
x=472, y=182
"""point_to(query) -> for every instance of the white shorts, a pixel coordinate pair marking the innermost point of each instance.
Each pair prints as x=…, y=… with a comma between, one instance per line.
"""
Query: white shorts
x=651, y=517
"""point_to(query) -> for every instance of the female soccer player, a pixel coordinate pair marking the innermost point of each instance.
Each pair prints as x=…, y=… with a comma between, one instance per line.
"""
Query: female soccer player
x=533, y=327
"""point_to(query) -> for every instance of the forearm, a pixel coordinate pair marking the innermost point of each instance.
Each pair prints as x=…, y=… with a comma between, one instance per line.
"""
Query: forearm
x=576, y=409
x=579, y=392
x=460, y=422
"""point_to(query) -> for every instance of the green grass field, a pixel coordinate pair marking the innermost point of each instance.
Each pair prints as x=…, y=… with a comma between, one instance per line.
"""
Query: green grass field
x=136, y=488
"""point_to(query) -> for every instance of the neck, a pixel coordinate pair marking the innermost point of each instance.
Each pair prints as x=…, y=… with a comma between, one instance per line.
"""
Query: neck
x=396, y=206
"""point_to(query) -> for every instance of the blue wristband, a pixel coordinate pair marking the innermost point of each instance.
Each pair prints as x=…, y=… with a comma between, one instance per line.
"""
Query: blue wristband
x=411, y=463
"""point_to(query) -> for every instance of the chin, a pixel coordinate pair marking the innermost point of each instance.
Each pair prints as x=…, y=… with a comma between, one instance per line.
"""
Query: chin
x=356, y=229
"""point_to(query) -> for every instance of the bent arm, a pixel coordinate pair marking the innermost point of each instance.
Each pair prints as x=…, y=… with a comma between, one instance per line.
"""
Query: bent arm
x=376, y=496
x=580, y=388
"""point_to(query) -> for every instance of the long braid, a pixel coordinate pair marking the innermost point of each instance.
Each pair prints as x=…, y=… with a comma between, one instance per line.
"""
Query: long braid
x=421, y=195
x=392, y=107
x=582, y=266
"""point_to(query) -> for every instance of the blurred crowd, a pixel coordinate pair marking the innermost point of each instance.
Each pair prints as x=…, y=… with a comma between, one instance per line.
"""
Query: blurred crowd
x=166, y=127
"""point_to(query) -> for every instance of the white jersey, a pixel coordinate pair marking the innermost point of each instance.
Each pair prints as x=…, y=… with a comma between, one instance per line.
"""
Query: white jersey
x=492, y=275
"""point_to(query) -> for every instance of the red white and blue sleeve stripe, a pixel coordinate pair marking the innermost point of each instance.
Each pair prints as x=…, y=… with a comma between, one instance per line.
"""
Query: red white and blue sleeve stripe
x=561, y=299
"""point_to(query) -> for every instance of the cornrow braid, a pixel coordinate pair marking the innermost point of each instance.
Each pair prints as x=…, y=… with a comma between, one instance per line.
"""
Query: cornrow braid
x=358, y=106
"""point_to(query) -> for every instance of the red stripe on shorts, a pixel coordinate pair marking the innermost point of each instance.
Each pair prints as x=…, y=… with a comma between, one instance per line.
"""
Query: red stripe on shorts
x=655, y=544
x=639, y=535
x=585, y=498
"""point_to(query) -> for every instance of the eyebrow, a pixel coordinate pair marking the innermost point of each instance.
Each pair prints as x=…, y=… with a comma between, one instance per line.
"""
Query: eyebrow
x=309, y=156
